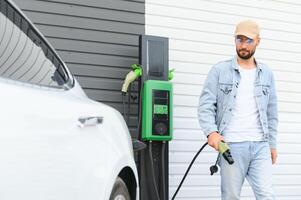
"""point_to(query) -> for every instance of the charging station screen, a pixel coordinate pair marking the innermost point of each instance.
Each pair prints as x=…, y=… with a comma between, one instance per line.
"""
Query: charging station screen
x=161, y=109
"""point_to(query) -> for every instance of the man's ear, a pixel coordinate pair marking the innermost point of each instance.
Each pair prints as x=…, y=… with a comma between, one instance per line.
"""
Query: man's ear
x=258, y=41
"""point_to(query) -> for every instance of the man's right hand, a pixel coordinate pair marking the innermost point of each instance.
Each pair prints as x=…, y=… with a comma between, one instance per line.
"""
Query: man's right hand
x=214, y=138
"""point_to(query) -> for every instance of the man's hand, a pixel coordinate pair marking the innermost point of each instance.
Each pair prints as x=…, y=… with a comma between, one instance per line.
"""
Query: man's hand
x=273, y=155
x=214, y=138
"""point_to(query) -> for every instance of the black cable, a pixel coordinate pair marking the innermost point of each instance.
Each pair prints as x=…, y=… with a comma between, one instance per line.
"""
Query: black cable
x=140, y=108
x=129, y=104
x=123, y=103
x=217, y=159
x=163, y=168
x=139, y=126
x=152, y=169
x=196, y=155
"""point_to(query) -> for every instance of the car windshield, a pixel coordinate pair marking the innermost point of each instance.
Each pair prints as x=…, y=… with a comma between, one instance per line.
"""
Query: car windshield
x=24, y=54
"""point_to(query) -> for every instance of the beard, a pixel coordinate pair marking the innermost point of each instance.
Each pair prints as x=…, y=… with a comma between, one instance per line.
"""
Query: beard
x=244, y=53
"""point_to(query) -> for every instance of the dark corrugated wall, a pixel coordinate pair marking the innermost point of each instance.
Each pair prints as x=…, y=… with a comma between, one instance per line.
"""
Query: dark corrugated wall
x=98, y=40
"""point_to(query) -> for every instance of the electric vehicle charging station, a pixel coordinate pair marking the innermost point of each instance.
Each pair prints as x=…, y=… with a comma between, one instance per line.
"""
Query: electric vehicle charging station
x=155, y=115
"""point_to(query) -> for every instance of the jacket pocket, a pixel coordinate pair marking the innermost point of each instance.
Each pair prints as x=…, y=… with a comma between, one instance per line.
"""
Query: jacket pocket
x=225, y=88
x=266, y=90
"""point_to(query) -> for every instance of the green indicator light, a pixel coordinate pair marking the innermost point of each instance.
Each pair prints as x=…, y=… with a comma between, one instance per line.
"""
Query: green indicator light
x=160, y=109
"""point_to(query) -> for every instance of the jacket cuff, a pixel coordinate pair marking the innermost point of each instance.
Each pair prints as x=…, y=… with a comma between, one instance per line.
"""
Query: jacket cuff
x=211, y=130
x=272, y=145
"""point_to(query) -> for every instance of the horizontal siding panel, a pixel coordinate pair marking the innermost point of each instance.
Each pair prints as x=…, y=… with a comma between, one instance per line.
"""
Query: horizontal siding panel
x=189, y=35
x=94, y=47
x=92, y=59
x=81, y=11
x=289, y=2
x=181, y=89
x=83, y=23
x=244, y=9
x=96, y=83
x=276, y=5
x=97, y=71
x=189, y=78
x=120, y=5
x=78, y=34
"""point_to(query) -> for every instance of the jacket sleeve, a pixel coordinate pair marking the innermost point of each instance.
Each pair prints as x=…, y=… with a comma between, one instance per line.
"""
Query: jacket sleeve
x=272, y=115
x=208, y=103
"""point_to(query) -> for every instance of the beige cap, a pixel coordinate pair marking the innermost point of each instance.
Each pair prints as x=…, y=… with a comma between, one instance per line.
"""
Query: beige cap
x=247, y=28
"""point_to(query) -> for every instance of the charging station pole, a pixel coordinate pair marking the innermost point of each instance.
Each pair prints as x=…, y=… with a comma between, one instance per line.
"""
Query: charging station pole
x=155, y=115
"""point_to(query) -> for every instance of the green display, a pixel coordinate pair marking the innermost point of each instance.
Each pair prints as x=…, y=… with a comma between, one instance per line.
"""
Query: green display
x=160, y=109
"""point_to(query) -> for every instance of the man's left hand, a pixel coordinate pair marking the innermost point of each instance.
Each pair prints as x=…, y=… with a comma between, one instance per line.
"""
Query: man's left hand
x=273, y=155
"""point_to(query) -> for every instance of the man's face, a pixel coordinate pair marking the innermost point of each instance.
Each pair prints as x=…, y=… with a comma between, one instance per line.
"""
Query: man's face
x=245, y=47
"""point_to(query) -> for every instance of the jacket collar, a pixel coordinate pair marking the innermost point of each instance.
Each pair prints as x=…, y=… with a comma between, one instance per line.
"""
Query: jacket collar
x=235, y=65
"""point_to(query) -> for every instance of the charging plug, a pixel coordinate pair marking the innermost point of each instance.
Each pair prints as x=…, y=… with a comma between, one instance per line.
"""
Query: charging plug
x=213, y=169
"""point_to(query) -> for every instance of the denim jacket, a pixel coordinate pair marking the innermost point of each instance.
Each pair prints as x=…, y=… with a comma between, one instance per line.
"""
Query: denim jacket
x=218, y=99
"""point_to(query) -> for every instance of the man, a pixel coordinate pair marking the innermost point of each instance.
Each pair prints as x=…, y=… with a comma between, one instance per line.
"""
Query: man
x=238, y=105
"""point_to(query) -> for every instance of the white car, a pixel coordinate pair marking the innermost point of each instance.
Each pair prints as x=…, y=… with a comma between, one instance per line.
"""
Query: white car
x=55, y=142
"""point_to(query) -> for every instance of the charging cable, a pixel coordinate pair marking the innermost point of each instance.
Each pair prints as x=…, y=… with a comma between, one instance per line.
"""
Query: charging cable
x=190, y=165
x=153, y=170
x=223, y=150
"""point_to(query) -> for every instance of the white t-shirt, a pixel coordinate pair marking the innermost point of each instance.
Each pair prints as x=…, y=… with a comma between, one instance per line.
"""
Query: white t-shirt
x=245, y=123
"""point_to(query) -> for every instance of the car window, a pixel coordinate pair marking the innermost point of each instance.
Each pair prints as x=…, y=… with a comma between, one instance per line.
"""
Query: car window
x=24, y=54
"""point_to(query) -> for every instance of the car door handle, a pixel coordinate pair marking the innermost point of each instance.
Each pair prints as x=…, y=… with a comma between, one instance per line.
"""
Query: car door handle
x=89, y=121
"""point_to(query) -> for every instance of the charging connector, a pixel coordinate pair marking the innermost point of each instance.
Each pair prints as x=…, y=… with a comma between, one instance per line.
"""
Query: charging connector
x=130, y=77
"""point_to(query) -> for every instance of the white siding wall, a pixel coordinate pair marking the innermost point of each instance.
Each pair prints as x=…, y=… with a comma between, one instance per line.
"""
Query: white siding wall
x=201, y=34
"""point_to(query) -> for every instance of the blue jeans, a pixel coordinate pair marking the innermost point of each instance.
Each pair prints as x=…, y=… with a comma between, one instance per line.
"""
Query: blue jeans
x=252, y=160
